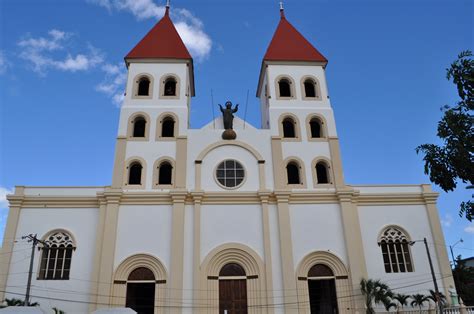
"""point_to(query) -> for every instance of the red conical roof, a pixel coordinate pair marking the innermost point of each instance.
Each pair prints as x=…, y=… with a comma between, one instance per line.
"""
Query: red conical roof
x=162, y=41
x=289, y=45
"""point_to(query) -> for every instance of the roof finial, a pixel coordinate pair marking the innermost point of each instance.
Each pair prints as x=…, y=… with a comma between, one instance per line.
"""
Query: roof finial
x=282, y=10
x=167, y=7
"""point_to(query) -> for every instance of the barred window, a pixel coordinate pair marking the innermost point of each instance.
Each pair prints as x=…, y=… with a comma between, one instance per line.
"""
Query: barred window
x=395, y=251
x=230, y=173
x=56, y=257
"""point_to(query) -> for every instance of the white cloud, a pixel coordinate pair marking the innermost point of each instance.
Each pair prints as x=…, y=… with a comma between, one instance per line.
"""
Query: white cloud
x=113, y=83
x=42, y=53
x=447, y=221
x=470, y=228
x=3, y=197
x=189, y=27
x=4, y=64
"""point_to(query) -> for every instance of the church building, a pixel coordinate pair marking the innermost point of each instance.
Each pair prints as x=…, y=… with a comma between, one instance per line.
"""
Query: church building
x=234, y=220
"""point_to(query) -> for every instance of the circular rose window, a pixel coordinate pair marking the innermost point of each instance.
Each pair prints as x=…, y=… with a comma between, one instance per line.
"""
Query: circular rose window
x=230, y=173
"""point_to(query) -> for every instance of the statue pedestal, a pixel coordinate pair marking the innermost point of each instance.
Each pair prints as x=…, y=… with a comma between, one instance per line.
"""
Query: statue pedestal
x=229, y=134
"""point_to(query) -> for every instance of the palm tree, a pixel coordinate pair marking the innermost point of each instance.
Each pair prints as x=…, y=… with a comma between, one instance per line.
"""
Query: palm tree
x=389, y=304
x=18, y=302
x=376, y=292
x=442, y=297
x=58, y=311
x=402, y=299
x=418, y=300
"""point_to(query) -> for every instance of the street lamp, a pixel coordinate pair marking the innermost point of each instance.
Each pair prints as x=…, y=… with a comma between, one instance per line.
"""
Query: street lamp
x=451, y=249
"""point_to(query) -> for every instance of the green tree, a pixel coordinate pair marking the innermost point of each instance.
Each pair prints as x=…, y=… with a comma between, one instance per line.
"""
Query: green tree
x=454, y=160
x=418, y=300
x=402, y=299
x=58, y=311
x=375, y=292
x=464, y=279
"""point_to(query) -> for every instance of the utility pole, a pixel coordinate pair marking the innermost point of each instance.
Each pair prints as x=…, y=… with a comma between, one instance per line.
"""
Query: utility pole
x=438, y=299
x=35, y=241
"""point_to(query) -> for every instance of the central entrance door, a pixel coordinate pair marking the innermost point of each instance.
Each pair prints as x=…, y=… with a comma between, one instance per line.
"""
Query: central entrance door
x=141, y=291
x=232, y=289
x=322, y=290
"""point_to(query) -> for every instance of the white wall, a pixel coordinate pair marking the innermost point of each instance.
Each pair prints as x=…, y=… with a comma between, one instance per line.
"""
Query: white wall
x=82, y=224
x=413, y=219
x=317, y=227
x=221, y=224
x=144, y=229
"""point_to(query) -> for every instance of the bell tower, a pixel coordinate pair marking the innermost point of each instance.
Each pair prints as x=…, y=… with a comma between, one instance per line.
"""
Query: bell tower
x=155, y=112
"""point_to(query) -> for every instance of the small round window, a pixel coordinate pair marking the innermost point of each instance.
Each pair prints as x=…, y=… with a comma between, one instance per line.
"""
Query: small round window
x=230, y=173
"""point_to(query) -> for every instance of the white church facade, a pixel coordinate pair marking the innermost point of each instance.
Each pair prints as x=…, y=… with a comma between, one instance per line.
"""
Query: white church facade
x=195, y=223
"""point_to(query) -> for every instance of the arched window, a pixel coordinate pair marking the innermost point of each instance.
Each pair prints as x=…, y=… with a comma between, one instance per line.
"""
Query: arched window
x=289, y=128
x=56, y=256
x=170, y=87
x=284, y=87
x=135, y=174
x=322, y=289
x=165, y=173
x=167, y=127
x=141, y=291
x=144, y=86
x=322, y=173
x=395, y=251
x=139, y=127
x=309, y=88
x=293, y=173
x=232, y=289
x=316, y=128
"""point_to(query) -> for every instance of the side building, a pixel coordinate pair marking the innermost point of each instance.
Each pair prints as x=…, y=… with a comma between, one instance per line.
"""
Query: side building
x=194, y=223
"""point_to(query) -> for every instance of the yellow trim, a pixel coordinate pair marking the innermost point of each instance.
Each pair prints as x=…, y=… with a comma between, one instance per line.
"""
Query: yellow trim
x=317, y=88
x=302, y=172
x=324, y=130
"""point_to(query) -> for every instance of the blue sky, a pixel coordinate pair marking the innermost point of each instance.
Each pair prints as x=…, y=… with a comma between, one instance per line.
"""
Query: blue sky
x=62, y=74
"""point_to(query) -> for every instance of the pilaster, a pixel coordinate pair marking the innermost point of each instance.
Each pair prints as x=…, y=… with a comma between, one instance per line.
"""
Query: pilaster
x=286, y=250
x=98, y=248
x=107, y=245
x=119, y=162
x=197, y=198
x=16, y=201
x=175, y=295
x=354, y=244
x=264, y=197
x=438, y=238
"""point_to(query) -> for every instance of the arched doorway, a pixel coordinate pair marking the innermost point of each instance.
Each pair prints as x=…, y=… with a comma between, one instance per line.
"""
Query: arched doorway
x=232, y=289
x=322, y=290
x=141, y=291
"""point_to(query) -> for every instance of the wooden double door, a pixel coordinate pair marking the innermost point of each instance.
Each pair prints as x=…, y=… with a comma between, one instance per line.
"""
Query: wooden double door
x=233, y=296
x=322, y=296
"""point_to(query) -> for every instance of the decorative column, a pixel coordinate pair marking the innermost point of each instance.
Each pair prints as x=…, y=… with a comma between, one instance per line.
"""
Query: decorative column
x=264, y=196
x=438, y=238
x=197, y=197
x=98, y=248
x=286, y=251
x=175, y=295
x=354, y=245
x=15, y=201
x=107, y=246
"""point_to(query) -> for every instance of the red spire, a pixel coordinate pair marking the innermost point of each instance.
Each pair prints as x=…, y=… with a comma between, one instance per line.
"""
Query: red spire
x=162, y=41
x=289, y=45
